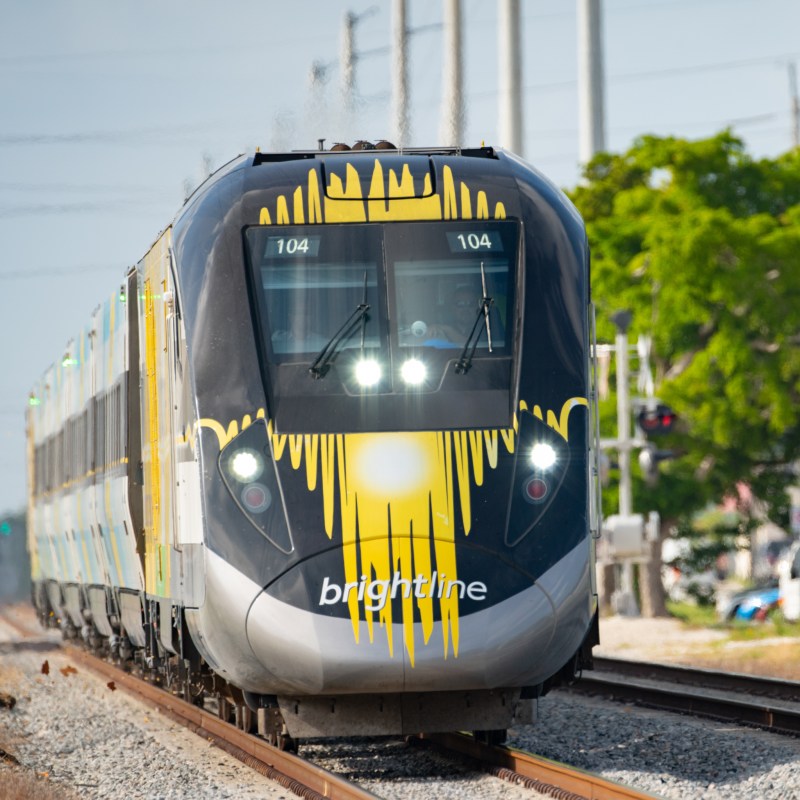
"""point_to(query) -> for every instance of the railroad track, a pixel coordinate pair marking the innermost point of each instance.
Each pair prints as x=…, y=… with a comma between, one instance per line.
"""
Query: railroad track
x=767, y=703
x=526, y=769
x=311, y=781
x=296, y=774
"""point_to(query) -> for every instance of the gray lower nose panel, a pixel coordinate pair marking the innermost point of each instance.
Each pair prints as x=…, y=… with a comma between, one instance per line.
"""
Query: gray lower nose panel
x=504, y=645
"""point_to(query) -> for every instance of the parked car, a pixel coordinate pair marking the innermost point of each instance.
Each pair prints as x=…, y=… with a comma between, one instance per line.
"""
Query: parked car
x=752, y=605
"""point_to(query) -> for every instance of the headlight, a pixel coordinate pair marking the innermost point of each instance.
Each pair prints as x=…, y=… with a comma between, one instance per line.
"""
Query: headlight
x=414, y=372
x=543, y=456
x=543, y=464
x=246, y=465
x=250, y=475
x=368, y=372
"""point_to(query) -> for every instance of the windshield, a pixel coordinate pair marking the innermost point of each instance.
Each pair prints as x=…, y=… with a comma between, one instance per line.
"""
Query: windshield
x=312, y=278
x=452, y=289
x=386, y=309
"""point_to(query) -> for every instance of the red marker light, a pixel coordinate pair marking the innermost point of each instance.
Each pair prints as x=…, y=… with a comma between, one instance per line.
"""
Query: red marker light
x=256, y=498
x=535, y=490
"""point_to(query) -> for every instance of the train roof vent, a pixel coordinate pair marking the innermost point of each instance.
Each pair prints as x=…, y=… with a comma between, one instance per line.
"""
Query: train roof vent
x=339, y=148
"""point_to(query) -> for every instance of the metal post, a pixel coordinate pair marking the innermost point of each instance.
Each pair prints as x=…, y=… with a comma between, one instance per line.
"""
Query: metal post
x=348, y=61
x=510, y=71
x=795, y=104
x=590, y=80
x=622, y=319
x=451, y=132
x=402, y=133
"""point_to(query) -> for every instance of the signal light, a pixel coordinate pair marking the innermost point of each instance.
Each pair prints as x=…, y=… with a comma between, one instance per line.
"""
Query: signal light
x=649, y=459
x=656, y=421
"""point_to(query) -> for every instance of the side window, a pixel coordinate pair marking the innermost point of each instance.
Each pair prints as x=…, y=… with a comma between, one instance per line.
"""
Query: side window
x=100, y=433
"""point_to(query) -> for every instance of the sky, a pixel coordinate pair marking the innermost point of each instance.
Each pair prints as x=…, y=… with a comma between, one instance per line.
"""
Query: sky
x=112, y=111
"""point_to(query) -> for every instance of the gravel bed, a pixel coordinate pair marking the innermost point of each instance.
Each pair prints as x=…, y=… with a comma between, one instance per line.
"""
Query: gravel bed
x=669, y=755
x=70, y=729
x=392, y=769
x=104, y=744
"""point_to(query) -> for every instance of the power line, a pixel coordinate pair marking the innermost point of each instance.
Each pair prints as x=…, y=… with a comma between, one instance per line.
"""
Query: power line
x=59, y=272
x=635, y=76
x=45, y=209
x=77, y=188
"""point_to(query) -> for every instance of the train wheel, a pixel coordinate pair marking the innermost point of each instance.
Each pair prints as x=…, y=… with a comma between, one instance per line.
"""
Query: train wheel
x=491, y=737
x=224, y=709
x=245, y=718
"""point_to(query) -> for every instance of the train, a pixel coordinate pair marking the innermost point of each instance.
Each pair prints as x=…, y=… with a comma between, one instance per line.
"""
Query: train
x=329, y=452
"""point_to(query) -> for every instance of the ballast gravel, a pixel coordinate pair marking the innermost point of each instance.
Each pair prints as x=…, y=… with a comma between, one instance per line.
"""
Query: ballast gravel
x=668, y=755
x=70, y=729
x=101, y=743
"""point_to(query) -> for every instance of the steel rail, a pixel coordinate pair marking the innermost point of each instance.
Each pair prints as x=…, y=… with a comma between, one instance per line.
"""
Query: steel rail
x=778, y=688
x=7, y=619
x=771, y=705
x=534, y=771
x=302, y=777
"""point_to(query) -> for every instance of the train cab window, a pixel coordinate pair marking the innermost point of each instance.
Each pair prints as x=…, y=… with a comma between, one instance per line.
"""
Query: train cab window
x=452, y=283
x=402, y=322
x=313, y=282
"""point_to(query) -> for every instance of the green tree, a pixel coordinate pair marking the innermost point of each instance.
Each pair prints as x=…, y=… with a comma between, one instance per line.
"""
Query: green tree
x=702, y=244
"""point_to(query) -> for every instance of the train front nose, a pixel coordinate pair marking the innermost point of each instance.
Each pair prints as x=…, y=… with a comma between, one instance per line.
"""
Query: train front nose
x=407, y=629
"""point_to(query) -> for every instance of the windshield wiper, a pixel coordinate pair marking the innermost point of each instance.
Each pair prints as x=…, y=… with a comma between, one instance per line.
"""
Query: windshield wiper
x=465, y=361
x=321, y=364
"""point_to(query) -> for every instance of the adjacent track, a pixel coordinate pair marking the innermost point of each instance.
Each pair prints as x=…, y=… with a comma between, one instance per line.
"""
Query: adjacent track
x=767, y=703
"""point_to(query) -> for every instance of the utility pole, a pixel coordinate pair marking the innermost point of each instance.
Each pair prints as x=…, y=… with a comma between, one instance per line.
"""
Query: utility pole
x=349, y=56
x=795, y=104
x=622, y=320
x=348, y=60
x=591, y=85
x=510, y=71
x=402, y=132
x=451, y=130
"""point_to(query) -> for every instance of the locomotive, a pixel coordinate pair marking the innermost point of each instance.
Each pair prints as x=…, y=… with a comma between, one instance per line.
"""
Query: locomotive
x=329, y=453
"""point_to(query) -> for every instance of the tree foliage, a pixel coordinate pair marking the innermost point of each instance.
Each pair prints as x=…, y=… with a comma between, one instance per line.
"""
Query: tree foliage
x=702, y=244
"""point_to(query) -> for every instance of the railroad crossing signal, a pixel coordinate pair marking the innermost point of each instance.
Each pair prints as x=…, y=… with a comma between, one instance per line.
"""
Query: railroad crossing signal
x=656, y=421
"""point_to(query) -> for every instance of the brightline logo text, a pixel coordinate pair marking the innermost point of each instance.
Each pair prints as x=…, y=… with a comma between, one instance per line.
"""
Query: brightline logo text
x=376, y=593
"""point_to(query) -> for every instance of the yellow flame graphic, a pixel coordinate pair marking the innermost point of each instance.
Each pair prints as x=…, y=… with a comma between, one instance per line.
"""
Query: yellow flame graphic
x=393, y=201
x=398, y=494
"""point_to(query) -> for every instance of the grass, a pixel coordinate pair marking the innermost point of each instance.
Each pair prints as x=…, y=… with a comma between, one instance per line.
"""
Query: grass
x=696, y=616
x=774, y=661
x=745, y=649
